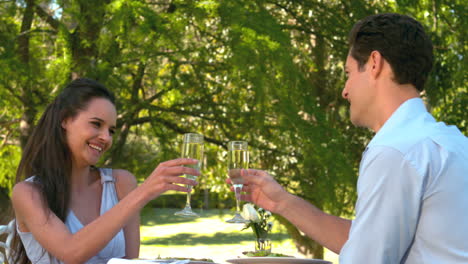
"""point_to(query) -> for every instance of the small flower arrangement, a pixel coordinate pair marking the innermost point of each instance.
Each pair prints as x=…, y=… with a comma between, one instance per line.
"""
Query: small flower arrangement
x=258, y=221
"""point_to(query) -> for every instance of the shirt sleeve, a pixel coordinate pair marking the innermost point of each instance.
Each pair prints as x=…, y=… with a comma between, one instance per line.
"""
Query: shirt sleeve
x=390, y=192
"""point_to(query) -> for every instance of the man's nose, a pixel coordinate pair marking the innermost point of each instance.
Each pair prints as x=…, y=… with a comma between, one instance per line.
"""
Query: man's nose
x=344, y=93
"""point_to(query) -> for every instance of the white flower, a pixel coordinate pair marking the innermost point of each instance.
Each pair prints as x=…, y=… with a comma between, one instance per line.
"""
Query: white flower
x=249, y=213
x=269, y=226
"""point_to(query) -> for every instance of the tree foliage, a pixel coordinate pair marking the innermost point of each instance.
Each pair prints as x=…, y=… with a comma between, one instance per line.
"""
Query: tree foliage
x=266, y=71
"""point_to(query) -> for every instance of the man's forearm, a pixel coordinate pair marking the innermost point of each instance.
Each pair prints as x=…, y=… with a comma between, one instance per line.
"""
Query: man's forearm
x=328, y=230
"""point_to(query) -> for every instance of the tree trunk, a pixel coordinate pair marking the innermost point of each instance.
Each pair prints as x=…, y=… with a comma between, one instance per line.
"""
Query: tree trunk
x=5, y=207
x=117, y=148
x=29, y=114
x=130, y=116
x=304, y=244
x=85, y=38
x=320, y=74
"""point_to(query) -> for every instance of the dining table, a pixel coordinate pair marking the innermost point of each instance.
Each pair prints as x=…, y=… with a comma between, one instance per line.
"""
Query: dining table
x=239, y=260
x=155, y=261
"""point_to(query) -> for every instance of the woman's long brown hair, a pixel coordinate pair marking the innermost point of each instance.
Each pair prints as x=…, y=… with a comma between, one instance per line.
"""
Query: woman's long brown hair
x=47, y=156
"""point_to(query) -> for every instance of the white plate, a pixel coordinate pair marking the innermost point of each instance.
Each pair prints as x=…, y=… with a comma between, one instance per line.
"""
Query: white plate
x=277, y=260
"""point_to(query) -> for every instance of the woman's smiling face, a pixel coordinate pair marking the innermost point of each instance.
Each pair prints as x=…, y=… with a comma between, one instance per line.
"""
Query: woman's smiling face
x=89, y=133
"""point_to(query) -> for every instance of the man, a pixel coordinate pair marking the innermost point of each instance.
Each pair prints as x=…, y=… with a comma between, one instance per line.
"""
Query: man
x=412, y=189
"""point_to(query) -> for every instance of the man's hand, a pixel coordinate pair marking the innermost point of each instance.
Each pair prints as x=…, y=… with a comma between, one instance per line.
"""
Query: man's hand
x=263, y=190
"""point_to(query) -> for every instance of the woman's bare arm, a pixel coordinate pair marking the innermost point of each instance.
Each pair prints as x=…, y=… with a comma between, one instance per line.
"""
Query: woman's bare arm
x=34, y=216
x=125, y=183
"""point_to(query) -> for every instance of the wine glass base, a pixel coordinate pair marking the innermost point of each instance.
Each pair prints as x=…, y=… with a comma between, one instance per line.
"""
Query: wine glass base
x=237, y=219
x=186, y=212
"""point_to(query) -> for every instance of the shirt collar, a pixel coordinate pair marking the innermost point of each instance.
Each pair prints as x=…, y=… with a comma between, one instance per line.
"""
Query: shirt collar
x=408, y=110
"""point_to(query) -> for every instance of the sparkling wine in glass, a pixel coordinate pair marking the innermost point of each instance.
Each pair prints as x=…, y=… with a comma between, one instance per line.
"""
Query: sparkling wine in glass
x=238, y=159
x=192, y=147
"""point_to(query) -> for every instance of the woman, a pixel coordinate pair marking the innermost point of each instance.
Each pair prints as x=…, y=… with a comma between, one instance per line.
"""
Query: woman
x=69, y=211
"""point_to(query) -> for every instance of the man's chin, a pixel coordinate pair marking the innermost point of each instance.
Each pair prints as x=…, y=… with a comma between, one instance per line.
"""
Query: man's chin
x=356, y=122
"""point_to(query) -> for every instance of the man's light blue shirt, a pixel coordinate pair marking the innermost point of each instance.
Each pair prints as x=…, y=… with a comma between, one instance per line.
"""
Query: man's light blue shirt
x=412, y=189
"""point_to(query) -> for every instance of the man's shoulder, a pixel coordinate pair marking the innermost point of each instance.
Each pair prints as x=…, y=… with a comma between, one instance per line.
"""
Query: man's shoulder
x=428, y=149
x=418, y=133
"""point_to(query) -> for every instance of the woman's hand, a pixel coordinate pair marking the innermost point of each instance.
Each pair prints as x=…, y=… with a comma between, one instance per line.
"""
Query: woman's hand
x=167, y=176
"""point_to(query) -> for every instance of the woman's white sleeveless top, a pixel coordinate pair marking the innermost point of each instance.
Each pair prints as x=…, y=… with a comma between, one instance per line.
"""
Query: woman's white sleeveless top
x=114, y=249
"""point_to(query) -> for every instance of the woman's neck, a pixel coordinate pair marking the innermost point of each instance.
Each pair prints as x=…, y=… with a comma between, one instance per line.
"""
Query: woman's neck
x=82, y=177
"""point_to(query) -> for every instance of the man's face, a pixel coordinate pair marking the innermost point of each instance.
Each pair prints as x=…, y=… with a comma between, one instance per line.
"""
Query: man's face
x=358, y=92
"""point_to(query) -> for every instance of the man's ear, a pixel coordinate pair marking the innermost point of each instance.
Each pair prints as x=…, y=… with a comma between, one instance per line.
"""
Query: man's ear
x=376, y=63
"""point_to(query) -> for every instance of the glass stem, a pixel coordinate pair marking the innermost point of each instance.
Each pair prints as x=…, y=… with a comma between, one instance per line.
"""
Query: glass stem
x=189, y=195
x=237, y=190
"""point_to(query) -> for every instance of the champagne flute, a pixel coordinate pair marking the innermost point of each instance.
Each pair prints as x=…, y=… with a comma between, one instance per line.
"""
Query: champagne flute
x=238, y=159
x=192, y=147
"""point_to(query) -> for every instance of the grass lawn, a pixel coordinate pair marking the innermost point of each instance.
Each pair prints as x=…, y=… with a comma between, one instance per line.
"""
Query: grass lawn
x=166, y=235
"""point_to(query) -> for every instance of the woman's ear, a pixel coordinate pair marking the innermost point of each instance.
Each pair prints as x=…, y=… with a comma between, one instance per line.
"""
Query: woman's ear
x=64, y=123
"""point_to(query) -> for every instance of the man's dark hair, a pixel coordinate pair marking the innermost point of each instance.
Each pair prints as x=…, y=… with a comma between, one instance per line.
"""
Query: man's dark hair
x=402, y=42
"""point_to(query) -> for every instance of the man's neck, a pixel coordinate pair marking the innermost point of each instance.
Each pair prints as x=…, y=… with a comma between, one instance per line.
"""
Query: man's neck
x=390, y=99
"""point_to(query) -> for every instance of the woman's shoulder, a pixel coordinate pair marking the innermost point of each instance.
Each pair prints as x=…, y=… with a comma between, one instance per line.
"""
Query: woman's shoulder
x=125, y=182
x=26, y=200
x=26, y=192
x=23, y=187
x=123, y=176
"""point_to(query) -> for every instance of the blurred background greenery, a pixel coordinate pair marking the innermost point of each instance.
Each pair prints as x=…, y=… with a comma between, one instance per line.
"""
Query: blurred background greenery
x=208, y=236
x=266, y=71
